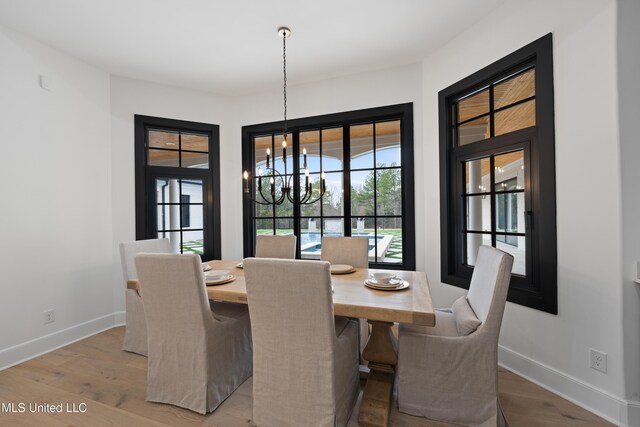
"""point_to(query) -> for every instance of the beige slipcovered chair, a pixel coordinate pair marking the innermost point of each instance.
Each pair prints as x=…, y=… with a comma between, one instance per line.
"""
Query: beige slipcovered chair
x=305, y=360
x=450, y=372
x=276, y=247
x=352, y=251
x=198, y=355
x=135, y=333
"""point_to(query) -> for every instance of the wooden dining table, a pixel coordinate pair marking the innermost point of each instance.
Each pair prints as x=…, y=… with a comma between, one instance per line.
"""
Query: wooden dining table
x=352, y=299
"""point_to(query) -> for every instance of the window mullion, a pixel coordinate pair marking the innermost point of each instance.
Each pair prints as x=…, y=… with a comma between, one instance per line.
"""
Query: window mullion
x=346, y=179
x=492, y=183
x=296, y=189
x=492, y=124
x=180, y=212
x=375, y=197
x=320, y=183
x=273, y=166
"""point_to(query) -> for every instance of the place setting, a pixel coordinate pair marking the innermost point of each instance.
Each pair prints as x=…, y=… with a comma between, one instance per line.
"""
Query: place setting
x=218, y=277
x=385, y=282
x=342, y=269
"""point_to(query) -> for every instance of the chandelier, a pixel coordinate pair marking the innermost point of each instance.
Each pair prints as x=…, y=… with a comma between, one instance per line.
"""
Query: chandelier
x=286, y=181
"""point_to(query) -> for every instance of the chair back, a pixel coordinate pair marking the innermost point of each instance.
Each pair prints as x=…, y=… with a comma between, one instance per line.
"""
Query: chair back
x=176, y=305
x=276, y=247
x=293, y=328
x=352, y=251
x=128, y=251
x=489, y=286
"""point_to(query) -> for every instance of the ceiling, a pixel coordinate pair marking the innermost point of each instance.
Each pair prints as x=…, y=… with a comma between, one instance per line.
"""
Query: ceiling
x=232, y=47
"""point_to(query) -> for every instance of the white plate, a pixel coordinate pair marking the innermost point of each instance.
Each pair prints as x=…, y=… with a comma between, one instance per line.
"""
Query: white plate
x=342, y=269
x=401, y=286
x=391, y=283
x=225, y=279
x=216, y=275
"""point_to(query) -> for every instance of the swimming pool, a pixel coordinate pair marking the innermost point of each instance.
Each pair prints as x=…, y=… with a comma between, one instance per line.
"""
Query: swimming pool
x=311, y=244
x=312, y=241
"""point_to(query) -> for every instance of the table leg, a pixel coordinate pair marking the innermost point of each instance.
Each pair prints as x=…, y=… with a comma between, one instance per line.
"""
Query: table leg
x=382, y=353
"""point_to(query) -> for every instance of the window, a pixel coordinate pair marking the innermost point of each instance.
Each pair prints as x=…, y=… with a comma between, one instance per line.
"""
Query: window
x=497, y=161
x=177, y=184
x=366, y=158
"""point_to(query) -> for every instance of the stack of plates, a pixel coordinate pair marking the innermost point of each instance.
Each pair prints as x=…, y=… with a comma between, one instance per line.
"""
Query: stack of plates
x=394, y=284
x=217, y=277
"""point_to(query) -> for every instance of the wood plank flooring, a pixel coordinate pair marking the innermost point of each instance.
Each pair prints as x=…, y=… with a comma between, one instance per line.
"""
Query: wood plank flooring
x=112, y=384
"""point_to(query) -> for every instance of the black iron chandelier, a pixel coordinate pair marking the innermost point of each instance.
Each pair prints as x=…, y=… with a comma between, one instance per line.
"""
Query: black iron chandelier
x=286, y=181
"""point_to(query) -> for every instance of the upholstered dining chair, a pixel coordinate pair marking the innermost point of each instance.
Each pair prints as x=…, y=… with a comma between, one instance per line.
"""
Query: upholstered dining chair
x=450, y=372
x=276, y=247
x=305, y=360
x=135, y=333
x=198, y=355
x=352, y=251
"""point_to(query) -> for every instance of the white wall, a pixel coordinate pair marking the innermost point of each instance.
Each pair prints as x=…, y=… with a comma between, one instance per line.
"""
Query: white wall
x=553, y=350
x=629, y=110
x=55, y=216
x=130, y=97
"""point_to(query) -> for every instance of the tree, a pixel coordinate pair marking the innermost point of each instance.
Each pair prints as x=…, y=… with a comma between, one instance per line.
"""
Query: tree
x=388, y=189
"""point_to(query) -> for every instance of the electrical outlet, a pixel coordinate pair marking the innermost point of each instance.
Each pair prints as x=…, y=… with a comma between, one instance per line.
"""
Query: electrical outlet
x=598, y=360
x=49, y=316
x=45, y=82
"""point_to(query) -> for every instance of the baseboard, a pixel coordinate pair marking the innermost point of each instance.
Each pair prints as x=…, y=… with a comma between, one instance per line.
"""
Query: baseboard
x=631, y=417
x=119, y=318
x=587, y=396
x=28, y=350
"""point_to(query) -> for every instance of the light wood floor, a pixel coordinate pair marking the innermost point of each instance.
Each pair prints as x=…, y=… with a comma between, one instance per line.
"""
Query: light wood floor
x=112, y=384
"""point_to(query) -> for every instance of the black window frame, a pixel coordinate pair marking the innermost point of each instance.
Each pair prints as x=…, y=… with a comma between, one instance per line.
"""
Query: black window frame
x=145, y=175
x=402, y=112
x=538, y=289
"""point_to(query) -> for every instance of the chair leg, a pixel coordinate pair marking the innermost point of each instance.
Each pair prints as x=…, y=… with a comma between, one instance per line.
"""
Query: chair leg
x=502, y=419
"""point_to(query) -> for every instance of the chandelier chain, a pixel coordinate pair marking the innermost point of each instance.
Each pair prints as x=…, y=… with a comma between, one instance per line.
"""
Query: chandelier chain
x=284, y=72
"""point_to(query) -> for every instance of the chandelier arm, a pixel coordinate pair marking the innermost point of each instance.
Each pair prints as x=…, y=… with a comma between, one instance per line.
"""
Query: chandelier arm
x=306, y=200
x=305, y=197
x=308, y=191
x=290, y=186
x=322, y=192
x=312, y=202
x=281, y=199
x=261, y=203
x=264, y=198
x=255, y=200
x=289, y=197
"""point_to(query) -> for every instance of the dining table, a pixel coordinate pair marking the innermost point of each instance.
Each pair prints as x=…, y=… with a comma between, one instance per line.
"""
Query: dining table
x=351, y=298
